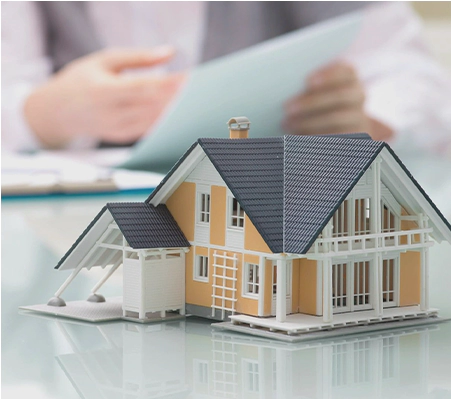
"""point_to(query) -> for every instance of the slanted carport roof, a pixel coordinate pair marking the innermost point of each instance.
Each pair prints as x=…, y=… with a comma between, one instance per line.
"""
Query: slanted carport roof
x=143, y=225
x=146, y=226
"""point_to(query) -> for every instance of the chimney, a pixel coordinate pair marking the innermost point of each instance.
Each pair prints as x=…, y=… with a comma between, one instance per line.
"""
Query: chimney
x=239, y=127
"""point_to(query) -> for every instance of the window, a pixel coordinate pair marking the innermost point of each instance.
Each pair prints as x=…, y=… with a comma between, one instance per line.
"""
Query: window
x=201, y=268
x=351, y=286
x=361, y=285
x=340, y=220
x=389, y=271
x=251, y=279
x=236, y=214
x=200, y=368
x=362, y=216
x=251, y=376
x=339, y=296
x=203, y=203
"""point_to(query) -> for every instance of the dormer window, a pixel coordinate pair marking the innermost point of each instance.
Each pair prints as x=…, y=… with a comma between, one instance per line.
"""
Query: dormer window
x=235, y=214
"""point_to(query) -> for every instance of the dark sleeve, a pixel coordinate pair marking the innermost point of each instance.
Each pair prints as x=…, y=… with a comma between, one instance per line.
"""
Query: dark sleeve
x=299, y=14
x=234, y=25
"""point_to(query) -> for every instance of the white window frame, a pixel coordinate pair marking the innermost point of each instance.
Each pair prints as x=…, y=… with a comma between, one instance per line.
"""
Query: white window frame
x=231, y=217
x=396, y=263
x=201, y=264
x=255, y=283
x=203, y=206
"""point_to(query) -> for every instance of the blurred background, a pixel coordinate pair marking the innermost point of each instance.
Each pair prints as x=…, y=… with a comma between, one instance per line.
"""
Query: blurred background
x=436, y=16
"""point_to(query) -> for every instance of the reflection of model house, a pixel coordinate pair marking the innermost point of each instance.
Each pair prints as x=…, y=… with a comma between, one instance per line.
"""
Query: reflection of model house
x=330, y=231
x=182, y=359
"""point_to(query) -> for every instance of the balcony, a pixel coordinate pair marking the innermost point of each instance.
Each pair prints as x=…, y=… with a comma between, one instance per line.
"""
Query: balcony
x=393, y=240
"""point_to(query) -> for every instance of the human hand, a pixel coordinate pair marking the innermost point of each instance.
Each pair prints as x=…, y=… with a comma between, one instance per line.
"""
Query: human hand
x=333, y=102
x=90, y=97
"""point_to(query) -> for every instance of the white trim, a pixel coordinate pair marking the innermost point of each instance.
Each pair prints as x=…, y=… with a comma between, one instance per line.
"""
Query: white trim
x=196, y=269
x=230, y=216
x=269, y=255
x=179, y=176
x=201, y=190
x=245, y=281
x=396, y=281
x=401, y=185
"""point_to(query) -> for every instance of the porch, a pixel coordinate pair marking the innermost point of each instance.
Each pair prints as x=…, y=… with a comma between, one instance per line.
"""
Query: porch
x=300, y=323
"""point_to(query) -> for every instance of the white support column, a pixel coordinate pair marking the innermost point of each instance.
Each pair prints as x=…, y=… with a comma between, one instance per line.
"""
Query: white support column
x=281, y=297
x=142, y=310
x=327, y=291
x=424, y=266
x=106, y=276
x=183, y=308
x=327, y=277
x=376, y=285
x=282, y=372
x=376, y=228
x=376, y=225
x=424, y=294
x=80, y=265
x=261, y=283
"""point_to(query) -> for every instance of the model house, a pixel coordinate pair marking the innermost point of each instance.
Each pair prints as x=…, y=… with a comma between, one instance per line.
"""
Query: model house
x=288, y=234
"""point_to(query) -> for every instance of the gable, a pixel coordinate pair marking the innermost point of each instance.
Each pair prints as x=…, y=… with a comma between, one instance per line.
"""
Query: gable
x=205, y=173
x=406, y=190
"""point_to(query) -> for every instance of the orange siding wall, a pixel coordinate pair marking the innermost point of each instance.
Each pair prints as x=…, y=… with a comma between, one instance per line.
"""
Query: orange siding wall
x=307, y=286
x=409, y=275
x=218, y=215
x=182, y=205
x=197, y=292
x=253, y=241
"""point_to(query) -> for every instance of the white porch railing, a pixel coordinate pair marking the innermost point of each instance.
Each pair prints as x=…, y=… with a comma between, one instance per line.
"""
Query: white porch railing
x=405, y=239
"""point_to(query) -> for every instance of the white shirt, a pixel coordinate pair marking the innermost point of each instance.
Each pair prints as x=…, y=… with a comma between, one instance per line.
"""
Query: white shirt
x=405, y=88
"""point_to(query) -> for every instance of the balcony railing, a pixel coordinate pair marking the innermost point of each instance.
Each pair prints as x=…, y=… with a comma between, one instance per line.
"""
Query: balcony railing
x=404, y=239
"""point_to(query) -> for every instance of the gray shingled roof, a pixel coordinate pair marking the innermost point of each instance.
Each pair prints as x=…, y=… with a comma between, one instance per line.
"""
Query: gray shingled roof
x=146, y=226
x=290, y=186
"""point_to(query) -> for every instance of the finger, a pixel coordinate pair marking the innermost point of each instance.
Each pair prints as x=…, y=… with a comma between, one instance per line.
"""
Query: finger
x=119, y=59
x=318, y=101
x=339, y=121
x=332, y=75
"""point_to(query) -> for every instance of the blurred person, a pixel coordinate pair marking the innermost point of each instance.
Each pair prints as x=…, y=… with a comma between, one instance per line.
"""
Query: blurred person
x=63, y=86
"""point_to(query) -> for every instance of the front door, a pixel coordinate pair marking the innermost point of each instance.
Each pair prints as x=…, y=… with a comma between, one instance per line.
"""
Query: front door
x=274, y=286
